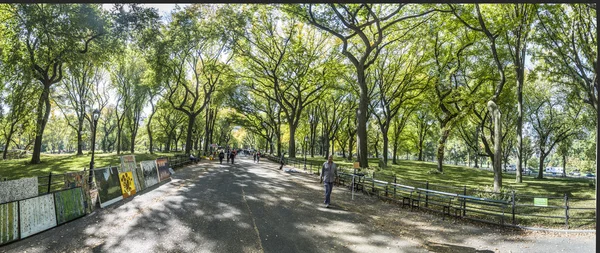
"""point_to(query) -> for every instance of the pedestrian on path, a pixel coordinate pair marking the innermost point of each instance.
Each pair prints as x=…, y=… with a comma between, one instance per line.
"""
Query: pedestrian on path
x=254, y=157
x=232, y=156
x=328, y=175
x=228, y=155
x=258, y=157
x=221, y=156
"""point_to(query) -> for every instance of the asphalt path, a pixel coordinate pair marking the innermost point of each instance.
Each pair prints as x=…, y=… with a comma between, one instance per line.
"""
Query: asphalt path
x=248, y=207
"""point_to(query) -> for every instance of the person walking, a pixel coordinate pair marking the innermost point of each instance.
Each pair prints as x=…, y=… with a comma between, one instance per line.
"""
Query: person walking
x=254, y=157
x=221, y=156
x=228, y=155
x=328, y=175
x=258, y=157
x=232, y=156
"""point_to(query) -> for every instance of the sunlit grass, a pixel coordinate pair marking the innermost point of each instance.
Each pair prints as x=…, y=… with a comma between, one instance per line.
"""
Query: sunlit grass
x=61, y=163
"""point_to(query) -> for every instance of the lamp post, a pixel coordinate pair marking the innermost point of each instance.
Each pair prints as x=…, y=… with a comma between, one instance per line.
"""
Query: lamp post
x=95, y=116
x=305, y=140
x=267, y=142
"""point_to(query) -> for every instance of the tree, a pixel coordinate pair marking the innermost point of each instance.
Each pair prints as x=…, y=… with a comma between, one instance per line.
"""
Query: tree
x=19, y=108
x=492, y=105
x=53, y=34
x=553, y=120
x=201, y=47
x=76, y=94
x=397, y=78
x=364, y=30
x=287, y=63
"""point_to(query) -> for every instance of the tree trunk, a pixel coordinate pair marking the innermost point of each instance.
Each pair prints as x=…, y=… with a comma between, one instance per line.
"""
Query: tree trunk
x=42, y=119
x=149, y=128
x=394, y=153
x=541, y=167
x=79, y=138
x=292, y=144
x=564, y=163
x=190, y=129
x=362, y=117
x=441, y=145
x=495, y=111
x=8, y=137
x=385, y=146
x=519, y=177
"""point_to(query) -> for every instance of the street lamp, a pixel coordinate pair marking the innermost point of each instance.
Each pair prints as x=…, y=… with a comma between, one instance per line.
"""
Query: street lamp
x=95, y=116
x=305, y=140
x=267, y=142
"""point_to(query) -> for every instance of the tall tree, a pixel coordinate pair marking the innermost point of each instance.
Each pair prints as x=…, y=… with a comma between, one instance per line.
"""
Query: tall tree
x=53, y=34
x=398, y=78
x=492, y=31
x=518, y=36
x=553, y=119
x=364, y=30
x=200, y=46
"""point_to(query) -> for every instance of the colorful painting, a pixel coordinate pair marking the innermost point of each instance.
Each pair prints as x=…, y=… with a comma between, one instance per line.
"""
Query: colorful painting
x=37, y=214
x=163, y=168
x=109, y=186
x=19, y=189
x=69, y=205
x=9, y=222
x=149, y=172
x=127, y=185
x=128, y=164
x=74, y=179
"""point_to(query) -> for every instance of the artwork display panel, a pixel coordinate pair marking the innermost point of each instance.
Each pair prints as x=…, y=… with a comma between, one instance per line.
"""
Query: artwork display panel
x=149, y=172
x=128, y=165
x=37, y=214
x=127, y=185
x=13, y=190
x=9, y=222
x=163, y=168
x=69, y=205
x=109, y=185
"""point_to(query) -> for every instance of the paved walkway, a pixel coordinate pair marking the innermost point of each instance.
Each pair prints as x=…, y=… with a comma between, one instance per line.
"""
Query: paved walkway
x=250, y=207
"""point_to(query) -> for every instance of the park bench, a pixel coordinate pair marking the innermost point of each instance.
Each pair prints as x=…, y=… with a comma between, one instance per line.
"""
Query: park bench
x=179, y=160
x=435, y=198
x=490, y=207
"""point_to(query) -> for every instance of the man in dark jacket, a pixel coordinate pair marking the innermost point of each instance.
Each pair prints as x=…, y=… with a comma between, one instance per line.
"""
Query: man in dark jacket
x=221, y=156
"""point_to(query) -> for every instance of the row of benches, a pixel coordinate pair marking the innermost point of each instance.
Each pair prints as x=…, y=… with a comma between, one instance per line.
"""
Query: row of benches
x=446, y=203
x=181, y=160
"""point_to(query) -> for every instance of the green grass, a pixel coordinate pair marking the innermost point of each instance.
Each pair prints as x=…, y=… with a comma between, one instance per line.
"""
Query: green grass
x=460, y=176
x=61, y=163
x=580, y=191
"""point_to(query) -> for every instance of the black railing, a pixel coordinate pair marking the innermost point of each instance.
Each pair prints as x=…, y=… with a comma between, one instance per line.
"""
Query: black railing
x=504, y=208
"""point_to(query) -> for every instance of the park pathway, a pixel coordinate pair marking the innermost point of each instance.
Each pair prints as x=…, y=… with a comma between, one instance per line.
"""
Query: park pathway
x=248, y=207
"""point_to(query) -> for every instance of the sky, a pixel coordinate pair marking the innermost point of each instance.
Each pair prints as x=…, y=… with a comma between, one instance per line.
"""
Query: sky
x=163, y=9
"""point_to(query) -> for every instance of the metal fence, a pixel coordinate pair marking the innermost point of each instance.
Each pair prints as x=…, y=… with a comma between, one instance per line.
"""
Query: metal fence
x=503, y=208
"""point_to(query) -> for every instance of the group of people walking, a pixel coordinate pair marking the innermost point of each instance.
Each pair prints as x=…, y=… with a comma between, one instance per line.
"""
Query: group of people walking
x=230, y=155
x=327, y=176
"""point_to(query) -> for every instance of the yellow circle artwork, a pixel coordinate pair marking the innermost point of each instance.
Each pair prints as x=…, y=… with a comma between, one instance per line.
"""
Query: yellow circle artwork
x=127, y=185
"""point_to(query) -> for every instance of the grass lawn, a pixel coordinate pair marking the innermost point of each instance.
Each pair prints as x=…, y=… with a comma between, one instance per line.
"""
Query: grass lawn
x=460, y=176
x=61, y=163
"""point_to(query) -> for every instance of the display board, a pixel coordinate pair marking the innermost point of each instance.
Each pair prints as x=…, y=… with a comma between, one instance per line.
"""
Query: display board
x=128, y=165
x=163, y=168
x=37, y=214
x=18, y=189
x=69, y=205
x=127, y=185
x=9, y=222
x=150, y=172
x=109, y=186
